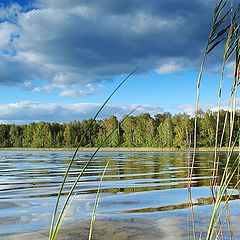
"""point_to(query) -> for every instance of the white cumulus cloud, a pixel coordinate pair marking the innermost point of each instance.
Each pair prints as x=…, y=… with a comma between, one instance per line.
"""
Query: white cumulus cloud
x=27, y=111
x=74, y=43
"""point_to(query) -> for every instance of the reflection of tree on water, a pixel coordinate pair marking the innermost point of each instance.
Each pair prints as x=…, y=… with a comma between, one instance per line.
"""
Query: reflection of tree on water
x=120, y=173
x=203, y=169
x=137, y=172
x=222, y=164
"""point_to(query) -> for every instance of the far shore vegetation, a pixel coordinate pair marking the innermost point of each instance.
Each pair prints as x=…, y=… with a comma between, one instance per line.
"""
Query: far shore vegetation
x=163, y=132
x=122, y=149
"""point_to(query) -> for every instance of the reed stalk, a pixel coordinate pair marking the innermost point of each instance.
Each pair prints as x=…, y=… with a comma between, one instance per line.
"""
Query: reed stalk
x=223, y=29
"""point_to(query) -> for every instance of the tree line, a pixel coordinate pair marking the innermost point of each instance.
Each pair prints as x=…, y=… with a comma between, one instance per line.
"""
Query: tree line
x=163, y=130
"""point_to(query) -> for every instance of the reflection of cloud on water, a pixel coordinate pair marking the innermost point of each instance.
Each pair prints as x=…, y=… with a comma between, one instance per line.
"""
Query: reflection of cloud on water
x=165, y=228
x=115, y=229
x=171, y=228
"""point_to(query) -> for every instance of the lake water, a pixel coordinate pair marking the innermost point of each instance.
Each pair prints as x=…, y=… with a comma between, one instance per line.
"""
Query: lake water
x=144, y=195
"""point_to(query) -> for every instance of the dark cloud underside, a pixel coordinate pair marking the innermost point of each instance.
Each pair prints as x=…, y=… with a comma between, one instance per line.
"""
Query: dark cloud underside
x=74, y=43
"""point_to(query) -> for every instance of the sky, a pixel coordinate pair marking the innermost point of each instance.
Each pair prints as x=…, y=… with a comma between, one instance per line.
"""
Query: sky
x=60, y=60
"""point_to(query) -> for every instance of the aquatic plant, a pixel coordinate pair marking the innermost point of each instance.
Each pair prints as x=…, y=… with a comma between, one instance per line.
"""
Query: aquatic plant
x=225, y=29
x=56, y=224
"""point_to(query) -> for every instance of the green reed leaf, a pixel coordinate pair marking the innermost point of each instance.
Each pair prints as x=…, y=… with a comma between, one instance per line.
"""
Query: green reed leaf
x=214, y=45
x=64, y=214
x=219, y=34
x=96, y=203
x=75, y=153
x=218, y=24
x=218, y=12
x=229, y=36
x=81, y=174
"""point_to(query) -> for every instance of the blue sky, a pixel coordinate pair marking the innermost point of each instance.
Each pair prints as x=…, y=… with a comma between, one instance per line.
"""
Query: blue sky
x=59, y=60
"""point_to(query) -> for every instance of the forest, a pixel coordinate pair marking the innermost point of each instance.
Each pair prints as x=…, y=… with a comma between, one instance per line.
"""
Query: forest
x=163, y=131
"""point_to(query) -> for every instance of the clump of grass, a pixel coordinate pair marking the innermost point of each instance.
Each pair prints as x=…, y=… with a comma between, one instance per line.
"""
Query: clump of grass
x=56, y=224
x=225, y=29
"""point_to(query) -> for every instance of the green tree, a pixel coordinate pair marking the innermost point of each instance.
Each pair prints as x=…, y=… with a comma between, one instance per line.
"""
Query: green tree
x=166, y=133
x=4, y=135
x=129, y=129
x=207, y=129
x=145, y=130
x=69, y=135
x=107, y=125
x=183, y=128
x=28, y=133
x=59, y=139
x=161, y=117
x=15, y=135
x=91, y=136
x=41, y=135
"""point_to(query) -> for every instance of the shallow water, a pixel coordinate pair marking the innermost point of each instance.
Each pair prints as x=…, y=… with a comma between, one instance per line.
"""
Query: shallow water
x=144, y=195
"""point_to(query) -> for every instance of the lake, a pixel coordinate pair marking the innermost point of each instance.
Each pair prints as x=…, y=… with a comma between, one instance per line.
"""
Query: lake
x=144, y=195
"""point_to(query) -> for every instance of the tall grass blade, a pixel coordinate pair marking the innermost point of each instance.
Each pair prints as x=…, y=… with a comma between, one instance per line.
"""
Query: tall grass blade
x=219, y=23
x=214, y=45
x=96, y=204
x=64, y=214
x=219, y=34
x=226, y=179
x=80, y=175
x=75, y=153
x=220, y=11
x=216, y=12
x=213, y=30
x=229, y=36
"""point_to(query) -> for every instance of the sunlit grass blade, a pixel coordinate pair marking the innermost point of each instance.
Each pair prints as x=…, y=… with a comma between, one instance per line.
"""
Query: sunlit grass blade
x=64, y=214
x=219, y=34
x=80, y=175
x=214, y=45
x=218, y=24
x=226, y=46
x=96, y=204
x=75, y=153
x=223, y=28
x=233, y=49
x=225, y=203
x=216, y=10
x=220, y=196
x=226, y=179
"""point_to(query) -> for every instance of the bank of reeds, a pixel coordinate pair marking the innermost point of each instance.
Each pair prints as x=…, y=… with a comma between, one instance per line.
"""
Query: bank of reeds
x=225, y=32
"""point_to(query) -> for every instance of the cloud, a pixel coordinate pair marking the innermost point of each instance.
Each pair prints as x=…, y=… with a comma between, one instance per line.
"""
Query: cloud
x=14, y=71
x=27, y=111
x=88, y=90
x=190, y=109
x=74, y=43
x=169, y=67
x=6, y=34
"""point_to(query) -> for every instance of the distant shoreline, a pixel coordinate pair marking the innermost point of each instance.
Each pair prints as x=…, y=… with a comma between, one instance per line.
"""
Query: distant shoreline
x=120, y=149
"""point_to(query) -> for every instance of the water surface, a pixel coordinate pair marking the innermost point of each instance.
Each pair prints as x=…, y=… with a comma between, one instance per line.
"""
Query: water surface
x=144, y=195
